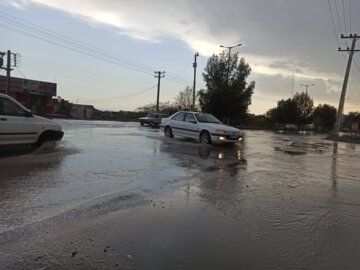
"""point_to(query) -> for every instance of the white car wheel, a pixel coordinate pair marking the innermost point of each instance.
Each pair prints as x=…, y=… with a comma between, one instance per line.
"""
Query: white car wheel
x=205, y=137
x=168, y=132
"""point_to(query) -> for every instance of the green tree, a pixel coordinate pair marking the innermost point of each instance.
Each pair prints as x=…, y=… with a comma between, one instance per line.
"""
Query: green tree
x=324, y=116
x=285, y=112
x=297, y=110
x=184, y=99
x=164, y=107
x=227, y=94
x=305, y=106
x=354, y=116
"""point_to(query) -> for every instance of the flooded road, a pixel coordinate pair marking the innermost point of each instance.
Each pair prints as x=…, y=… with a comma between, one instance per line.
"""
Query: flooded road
x=116, y=195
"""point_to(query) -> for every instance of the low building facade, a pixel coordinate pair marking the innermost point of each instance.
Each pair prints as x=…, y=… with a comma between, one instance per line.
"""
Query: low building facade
x=33, y=94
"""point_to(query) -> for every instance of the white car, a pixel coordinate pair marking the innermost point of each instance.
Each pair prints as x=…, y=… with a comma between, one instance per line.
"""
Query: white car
x=202, y=126
x=19, y=126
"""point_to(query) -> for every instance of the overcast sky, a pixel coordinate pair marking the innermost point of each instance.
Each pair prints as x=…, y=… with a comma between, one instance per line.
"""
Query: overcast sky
x=127, y=40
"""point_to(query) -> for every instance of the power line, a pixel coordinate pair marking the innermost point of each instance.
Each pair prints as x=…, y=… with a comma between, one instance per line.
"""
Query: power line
x=121, y=97
x=336, y=34
x=32, y=62
x=337, y=15
x=350, y=14
x=333, y=23
x=49, y=36
x=343, y=5
x=22, y=74
x=22, y=24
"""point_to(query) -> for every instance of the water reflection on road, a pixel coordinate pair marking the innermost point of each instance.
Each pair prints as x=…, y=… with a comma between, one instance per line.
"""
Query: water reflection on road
x=296, y=196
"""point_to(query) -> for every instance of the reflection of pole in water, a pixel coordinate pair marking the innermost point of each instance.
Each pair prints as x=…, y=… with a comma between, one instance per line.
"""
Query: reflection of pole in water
x=334, y=168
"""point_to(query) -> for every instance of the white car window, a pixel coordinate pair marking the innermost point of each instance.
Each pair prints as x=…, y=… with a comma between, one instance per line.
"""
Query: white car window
x=8, y=107
x=189, y=118
x=179, y=117
x=206, y=118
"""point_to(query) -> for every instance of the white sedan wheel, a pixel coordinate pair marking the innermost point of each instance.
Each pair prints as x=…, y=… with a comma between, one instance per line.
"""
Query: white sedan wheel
x=205, y=137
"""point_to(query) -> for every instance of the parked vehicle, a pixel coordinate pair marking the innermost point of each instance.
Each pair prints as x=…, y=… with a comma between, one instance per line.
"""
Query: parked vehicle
x=291, y=127
x=19, y=126
x=152, y=119
x=202, y=126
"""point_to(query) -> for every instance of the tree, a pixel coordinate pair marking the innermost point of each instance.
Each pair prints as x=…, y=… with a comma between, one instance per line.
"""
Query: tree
x=164, y=107
x=354, y=116
x=184, y=99
x=305, y=106
x=227, y=94
x=297, y=110
x=325, y=116
x=285, y=112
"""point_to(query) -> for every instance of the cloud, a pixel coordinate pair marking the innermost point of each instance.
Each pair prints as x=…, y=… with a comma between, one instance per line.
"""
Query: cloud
x=271, y=29
x=18, y=4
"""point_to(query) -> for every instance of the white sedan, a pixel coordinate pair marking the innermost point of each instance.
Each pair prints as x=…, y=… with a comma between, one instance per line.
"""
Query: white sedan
x=202, y=126
x=19, y=126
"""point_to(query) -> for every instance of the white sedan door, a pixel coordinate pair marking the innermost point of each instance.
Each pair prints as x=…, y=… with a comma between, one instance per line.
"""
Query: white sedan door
x=191, y=128
x=177, y=124
x=15, y=126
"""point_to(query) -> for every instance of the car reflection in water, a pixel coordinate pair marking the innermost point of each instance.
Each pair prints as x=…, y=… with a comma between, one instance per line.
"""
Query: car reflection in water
x=217, y=162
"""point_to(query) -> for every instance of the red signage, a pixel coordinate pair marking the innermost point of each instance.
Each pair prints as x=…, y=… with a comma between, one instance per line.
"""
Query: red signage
x=39, y=88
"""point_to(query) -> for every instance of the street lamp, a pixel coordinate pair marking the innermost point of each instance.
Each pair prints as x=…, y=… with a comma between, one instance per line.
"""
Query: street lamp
x=307, y=86
x=230, y=48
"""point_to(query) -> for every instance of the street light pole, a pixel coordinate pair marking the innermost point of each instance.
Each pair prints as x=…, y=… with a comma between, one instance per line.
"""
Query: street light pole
x=194, y=65
x=307, y=86
x=229, y=54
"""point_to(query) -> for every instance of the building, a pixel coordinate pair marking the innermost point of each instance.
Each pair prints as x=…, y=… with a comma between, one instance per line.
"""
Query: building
x=35, y=95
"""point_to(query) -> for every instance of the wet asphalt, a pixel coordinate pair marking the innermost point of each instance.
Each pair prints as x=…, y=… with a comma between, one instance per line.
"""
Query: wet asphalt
x=115, y=195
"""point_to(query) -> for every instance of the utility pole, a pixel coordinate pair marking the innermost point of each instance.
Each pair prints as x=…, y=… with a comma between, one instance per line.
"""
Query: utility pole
x=8, y=68
x=346, y=78
x=307, y=86
x=194, y=65
x=158, y=75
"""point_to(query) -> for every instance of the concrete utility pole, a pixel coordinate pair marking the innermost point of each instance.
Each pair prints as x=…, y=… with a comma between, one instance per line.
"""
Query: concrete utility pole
x=230, y=48
x=194, y=65
x=8, y=68
x=307, y=86
x=2, y=54
x=346, y=78
x=158, y=75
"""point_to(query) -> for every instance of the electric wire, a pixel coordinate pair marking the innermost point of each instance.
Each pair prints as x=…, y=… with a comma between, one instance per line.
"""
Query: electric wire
x=49, y=33
x=337, y=15
x=19, y=70
x=333, y=23
x=350, y=15
x=343, y=8
x=121, y=97
x=46, y=35
x=48, y=66
x=336, y=37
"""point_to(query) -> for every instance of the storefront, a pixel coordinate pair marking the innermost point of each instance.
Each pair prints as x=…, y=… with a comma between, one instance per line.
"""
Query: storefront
x=35, y=95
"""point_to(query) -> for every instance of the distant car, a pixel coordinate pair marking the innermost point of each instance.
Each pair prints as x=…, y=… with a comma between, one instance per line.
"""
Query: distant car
x=19, y=126
x=201, y=126
x=290, y=127
x=152, y=119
